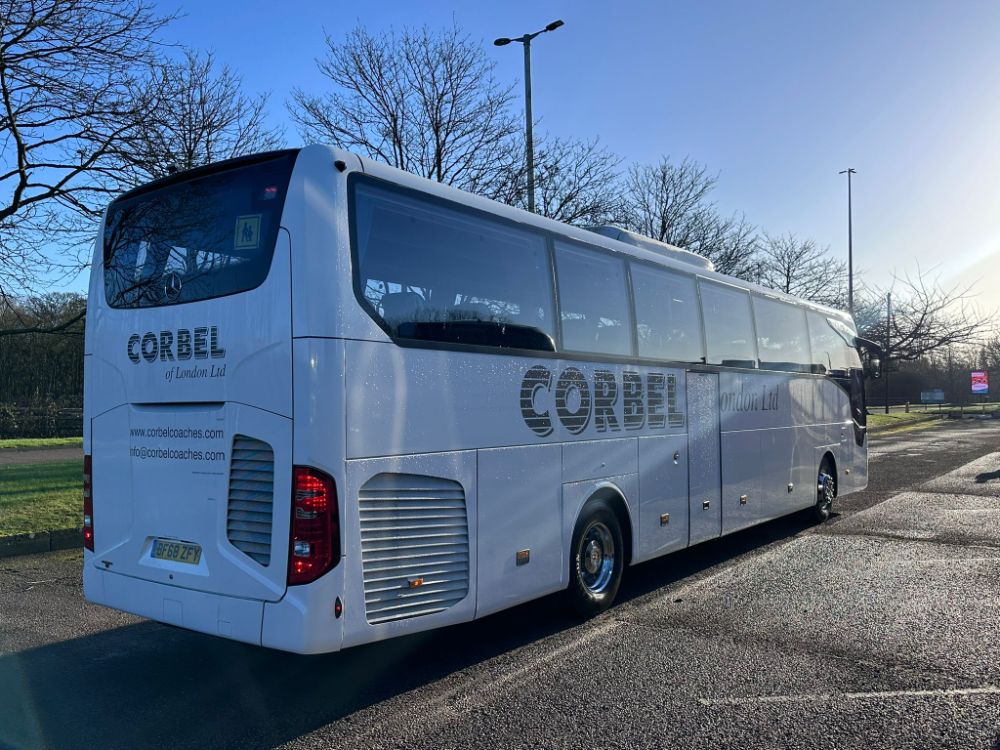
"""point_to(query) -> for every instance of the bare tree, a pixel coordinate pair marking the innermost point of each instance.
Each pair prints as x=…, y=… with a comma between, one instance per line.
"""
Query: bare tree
x=41, y=376
x=801, y=268
x=669, y=202
x=731, y=244
x=927, y=317
x=672, y=203
x=68, y=70
x=420, y=100
x=198, y=115
x=576, y=182
x=989, y=356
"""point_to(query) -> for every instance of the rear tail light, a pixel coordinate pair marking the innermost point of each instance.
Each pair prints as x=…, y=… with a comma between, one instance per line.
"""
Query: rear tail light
x=315, y=534
x=88, y=503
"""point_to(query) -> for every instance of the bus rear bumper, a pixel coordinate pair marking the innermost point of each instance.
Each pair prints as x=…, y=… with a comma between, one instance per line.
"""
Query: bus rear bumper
x=213, y=614
x=303, y=622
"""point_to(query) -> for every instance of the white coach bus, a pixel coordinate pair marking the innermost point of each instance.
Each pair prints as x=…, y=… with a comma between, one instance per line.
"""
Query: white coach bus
x=329, y=402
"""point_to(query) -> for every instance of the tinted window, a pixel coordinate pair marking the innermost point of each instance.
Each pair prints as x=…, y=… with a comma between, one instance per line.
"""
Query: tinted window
x=832, y=344
x=593, y=301
x=666, y=314
x=782, y=336
x=197, y=238
x=728, y=325
x=435, y=272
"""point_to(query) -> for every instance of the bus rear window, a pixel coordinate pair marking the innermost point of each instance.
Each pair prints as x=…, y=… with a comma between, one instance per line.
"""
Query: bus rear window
x=197, y=238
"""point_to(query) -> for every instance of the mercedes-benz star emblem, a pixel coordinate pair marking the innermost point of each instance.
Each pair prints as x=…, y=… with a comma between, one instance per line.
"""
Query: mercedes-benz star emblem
x=172, y=286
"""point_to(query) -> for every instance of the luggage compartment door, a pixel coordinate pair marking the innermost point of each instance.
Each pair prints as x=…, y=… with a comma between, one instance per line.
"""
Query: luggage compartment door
x=704, y=465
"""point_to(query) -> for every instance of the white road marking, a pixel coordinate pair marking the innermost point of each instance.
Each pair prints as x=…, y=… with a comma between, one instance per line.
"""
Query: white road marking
x=531, y=669
x=826, y=697
x=471, y=692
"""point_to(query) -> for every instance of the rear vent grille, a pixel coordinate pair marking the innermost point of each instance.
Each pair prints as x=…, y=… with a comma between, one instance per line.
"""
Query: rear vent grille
x=414, y=546
x=251, y=498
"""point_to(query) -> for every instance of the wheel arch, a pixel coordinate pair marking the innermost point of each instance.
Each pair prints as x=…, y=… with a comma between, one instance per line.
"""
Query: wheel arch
x=615, y=498
x=833, y=461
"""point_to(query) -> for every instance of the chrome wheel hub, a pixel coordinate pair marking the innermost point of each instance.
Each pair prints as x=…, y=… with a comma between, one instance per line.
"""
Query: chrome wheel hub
x=592, y=557
x=596, y=557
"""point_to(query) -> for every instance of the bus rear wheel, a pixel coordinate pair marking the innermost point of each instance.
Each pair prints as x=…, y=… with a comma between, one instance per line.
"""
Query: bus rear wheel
x=826, y=490
x=597, y=560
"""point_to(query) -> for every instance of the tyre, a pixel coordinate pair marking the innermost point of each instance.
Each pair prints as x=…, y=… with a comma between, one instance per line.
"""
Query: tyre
x=826, y=490
x=596, y=560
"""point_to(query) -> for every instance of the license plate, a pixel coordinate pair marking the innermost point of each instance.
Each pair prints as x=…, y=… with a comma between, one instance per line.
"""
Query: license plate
x=165, y=549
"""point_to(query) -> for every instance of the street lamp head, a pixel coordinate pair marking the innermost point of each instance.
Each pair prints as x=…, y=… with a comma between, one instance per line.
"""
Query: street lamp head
x=525, y=40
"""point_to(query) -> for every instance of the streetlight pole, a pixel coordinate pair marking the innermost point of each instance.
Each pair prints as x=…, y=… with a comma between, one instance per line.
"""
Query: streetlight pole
x=529, y=141
x=885, y=357
x=850, y=245
x=529, y=146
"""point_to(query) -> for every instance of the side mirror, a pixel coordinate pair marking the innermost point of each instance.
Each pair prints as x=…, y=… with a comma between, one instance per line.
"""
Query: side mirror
x=871, y=358
x=873, y=368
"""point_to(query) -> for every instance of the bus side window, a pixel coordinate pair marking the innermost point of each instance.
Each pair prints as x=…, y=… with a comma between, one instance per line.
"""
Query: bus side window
x=728, y=325
x=830, y=351
x=593, y=301
x=434, y=272
x=666, y=312
x=782, y=336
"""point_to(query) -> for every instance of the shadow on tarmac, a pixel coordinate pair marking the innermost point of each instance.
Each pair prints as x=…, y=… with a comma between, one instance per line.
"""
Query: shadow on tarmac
x=148, y=685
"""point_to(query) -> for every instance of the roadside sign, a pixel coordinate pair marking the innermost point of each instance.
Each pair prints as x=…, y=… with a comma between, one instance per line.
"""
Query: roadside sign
x=980, y=383
x=933, y=396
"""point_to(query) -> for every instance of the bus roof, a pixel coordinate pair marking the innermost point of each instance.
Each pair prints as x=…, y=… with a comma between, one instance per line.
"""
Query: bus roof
x=611, y=238
x=631, y=244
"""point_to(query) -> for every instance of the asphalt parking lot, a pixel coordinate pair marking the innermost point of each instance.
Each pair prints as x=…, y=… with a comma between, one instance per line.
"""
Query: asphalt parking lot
x=878, y=629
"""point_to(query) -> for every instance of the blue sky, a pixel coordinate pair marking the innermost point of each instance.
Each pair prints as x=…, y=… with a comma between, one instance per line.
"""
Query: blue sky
x=775, y=96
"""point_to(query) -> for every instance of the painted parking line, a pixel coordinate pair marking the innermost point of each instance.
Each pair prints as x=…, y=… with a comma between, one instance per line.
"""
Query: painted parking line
x=867, y=695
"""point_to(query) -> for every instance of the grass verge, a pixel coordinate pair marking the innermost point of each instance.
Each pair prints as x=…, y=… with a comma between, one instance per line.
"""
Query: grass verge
x=32, y=443
x=40, y=497
x=881, y=422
